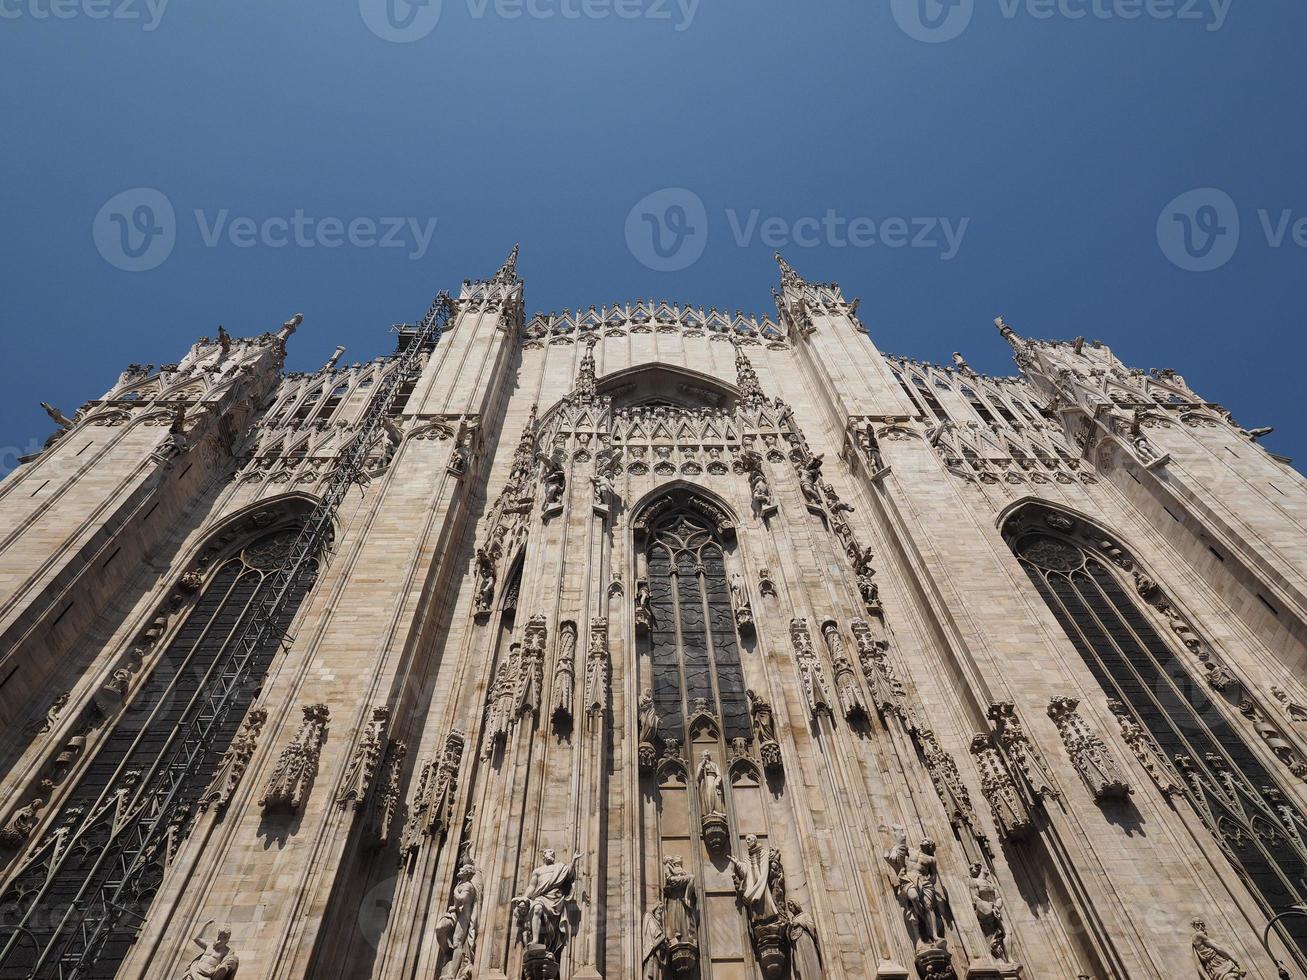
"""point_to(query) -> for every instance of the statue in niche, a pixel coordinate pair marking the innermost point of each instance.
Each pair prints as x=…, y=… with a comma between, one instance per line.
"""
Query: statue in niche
x=555, y=480
x=644, y=617
x=805, y=956
x=681, y=919
x=740, y=600
x=485, y=571
x=216, y=961
x=918, y=887
x=759, y=881
x=810, y=481
x=456, y=929
x=1214, y=962
x=654, y=958
x=712, y=798
x=648, y=718
x=988, y=904
x=542, y=909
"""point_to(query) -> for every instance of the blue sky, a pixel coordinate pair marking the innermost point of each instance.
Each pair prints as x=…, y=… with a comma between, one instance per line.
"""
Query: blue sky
x=1052, y=145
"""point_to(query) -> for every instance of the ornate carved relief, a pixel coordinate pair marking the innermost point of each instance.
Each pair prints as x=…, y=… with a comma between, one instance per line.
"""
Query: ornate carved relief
x=1011, y=817
x=873, y=653
x=946, y=779
x=1101, y=773
x=1024, y=759
x=363, y=764
x=846, y=680
x=564, y=672
x=385, y=802
x=430, y=812
x=531, y=675
x=740, y=603
x=234, y=762
x=291, y=780
x=1146, y=750
x=596, y=669
x=812, y=674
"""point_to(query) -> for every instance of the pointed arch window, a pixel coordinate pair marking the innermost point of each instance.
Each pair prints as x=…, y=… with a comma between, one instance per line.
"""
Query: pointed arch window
x=693, y=647
x=189, y=688
x=1236, y=797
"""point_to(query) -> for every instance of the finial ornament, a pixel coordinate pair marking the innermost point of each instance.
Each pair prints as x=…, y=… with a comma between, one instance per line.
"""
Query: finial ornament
x=508, y=271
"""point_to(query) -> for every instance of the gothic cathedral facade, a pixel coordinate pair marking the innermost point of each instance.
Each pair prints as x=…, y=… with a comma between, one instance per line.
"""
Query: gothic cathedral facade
x=650, y=641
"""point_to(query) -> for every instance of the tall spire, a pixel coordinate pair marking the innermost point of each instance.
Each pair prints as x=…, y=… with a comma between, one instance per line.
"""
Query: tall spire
x=789, y=278
x=585, y=382
x=508, y=271
x=1010, y=335
x=746, y=379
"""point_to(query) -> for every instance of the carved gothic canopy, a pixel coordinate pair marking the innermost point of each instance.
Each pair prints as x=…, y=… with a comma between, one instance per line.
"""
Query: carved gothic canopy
x=659, y=384
x=683, y=497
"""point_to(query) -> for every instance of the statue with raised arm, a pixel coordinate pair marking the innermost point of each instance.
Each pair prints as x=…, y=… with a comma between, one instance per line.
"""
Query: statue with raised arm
x=543, y=906
x=216, y=960
x=1214, y=962
x=917, y=884
x=754, y=880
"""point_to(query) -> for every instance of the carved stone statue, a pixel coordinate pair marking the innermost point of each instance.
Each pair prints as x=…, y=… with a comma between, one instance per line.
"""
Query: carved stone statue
x=756, y=880
x=805, y=956
x=712, y=798
x=456, y=929
x=682, y=915
x=56, y=416
x=648, y=718
x=1214, y=962
x=654, y=955
x=810, y=481
x=988, y=904
x=764, y=727
x=1295, y=712
x=20, y=825
x=644, y=617
x=542, y=908
x=216, y=961
x=918, y=887
x=740, y=600
x=485, y=588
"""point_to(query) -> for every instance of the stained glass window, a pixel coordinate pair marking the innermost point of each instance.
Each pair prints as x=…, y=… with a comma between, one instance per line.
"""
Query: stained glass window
x=175, y=696
x=692, y=641
x=1232, y=792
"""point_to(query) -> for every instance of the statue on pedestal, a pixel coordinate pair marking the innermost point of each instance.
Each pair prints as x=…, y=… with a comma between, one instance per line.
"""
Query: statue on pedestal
x=216, y=961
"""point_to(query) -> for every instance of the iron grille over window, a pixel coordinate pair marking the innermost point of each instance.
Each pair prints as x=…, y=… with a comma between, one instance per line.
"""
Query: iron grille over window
x=1238, y=799
x=126, y=772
